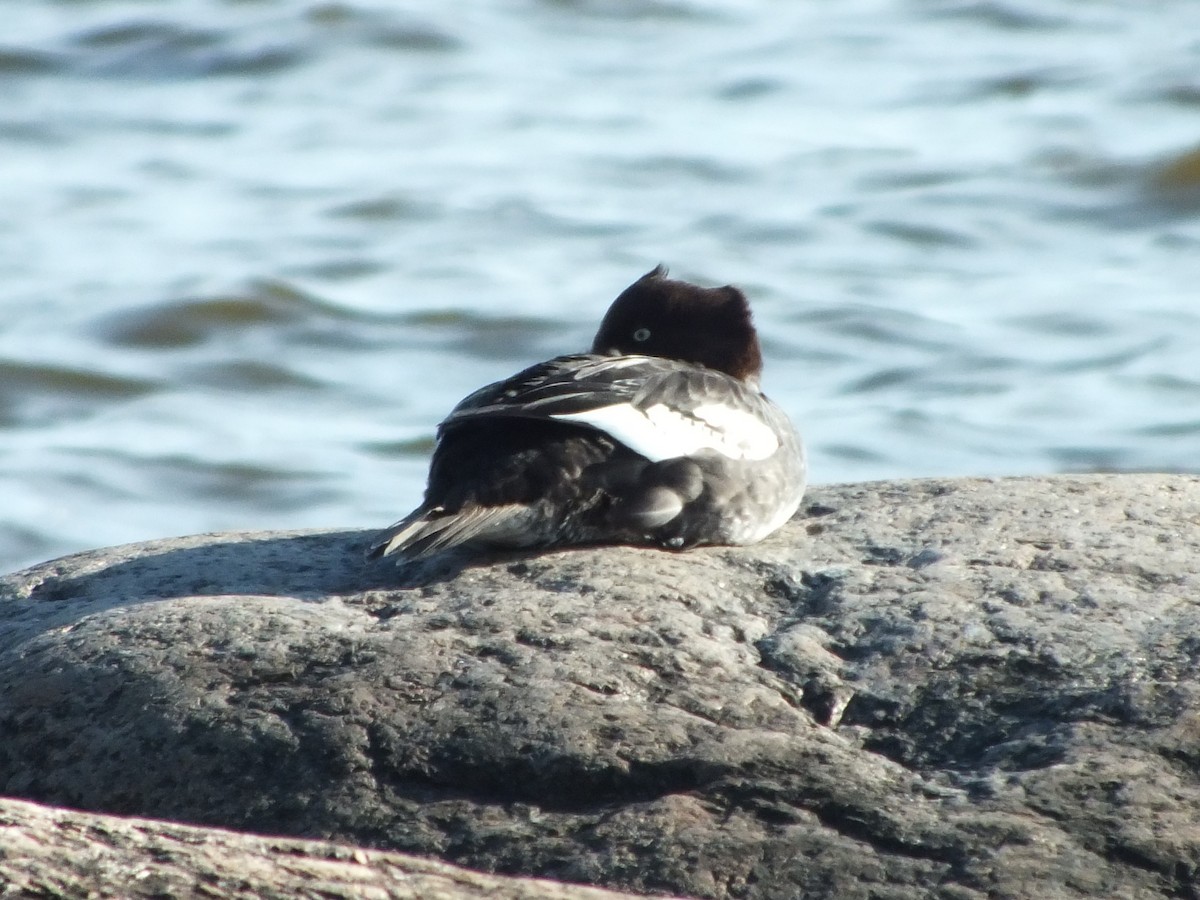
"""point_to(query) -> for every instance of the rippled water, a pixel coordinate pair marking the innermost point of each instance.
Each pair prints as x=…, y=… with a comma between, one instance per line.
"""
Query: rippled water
x=251, y=251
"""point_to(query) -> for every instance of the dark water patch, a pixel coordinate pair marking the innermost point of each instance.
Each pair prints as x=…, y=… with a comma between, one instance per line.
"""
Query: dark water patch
x=261, y=61
x=186, y=323
x=32, y=393
x=924, y=236
x=267, y=488
x=177, y=128
x=1082, y=170
x=1128, y=195
x=93, y=197
x=84, y=479
x=1108, y=362
x=1021, y=85
x=1175, y=241
x=1186, y=95
x=168, y=170
x=21, y=61
x=1014, y=86
x=875, y=325
x=345, y=337
x=275, y=188
x=980, y=363
x=334, y=14
x=37, y=378
x=967, y=386
x=1061, y=324
x=413, y=38
x=1091, y=459
x=390, y=208
x=756, y=231
x=1174, y=182
x=379, y=30
x=1188, y=388
x=264, y=488
x=481, y=336
x=140, y=34
x=21, y=546
x=160, y=49
x=522, y=216
x=657, y=168
x=744, y=89
x=853, y=453
x=198, y=482
x=1129, y=214
x=812, y=354
x=250, y=377
x=39, y=134
x=419, y=447
x=1170, y=430
x=1008, y=16
x=904, y=180
x=633, y=10
x=884, y=379
x=338, y=270
x=927, y=381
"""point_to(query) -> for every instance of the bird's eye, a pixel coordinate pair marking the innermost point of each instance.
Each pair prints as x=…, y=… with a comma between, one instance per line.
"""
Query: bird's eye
x=642, y=334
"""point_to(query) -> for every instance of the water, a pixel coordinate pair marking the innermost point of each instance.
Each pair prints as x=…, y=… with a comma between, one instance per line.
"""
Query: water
x=251, y=251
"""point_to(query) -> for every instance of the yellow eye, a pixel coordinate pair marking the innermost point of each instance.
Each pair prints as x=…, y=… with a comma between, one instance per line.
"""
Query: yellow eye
x=642, y=334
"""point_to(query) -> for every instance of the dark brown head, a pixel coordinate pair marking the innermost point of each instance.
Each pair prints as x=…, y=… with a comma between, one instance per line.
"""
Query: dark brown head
x=656, y=316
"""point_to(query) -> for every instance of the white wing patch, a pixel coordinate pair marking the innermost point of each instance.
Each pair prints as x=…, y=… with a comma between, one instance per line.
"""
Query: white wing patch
x=659, y=432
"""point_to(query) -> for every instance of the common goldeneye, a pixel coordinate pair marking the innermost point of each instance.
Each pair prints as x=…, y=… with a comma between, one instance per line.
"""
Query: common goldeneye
x=659, y=436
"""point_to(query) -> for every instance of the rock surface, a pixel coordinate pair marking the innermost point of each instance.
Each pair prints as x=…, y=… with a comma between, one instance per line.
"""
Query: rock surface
x=47, y=852
x=957, y=688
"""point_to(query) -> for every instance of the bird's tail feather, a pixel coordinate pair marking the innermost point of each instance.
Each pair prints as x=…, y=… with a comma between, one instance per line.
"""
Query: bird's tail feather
x=429, y=530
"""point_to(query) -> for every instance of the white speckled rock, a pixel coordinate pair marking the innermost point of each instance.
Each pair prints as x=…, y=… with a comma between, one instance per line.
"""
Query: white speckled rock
x=48, y=852
x=949, y=688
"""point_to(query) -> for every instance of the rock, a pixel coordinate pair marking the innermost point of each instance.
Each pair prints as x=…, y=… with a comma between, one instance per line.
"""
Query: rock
x=953, y=688
x=47, y=852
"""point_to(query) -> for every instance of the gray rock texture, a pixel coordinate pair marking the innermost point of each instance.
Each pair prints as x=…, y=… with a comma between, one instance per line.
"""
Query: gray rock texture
x=46, y=852
x=954, y=688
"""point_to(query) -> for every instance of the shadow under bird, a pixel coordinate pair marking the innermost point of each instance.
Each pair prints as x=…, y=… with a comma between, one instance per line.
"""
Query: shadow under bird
x=660, y=436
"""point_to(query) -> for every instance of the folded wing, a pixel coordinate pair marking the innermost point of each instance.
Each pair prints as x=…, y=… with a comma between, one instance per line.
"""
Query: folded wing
x=659, y=408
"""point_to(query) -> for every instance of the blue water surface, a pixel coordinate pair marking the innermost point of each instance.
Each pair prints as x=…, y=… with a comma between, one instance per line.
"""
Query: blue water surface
x=251, y=251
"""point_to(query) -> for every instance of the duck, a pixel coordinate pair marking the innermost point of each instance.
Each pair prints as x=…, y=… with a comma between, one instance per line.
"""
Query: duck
x=660, y=436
